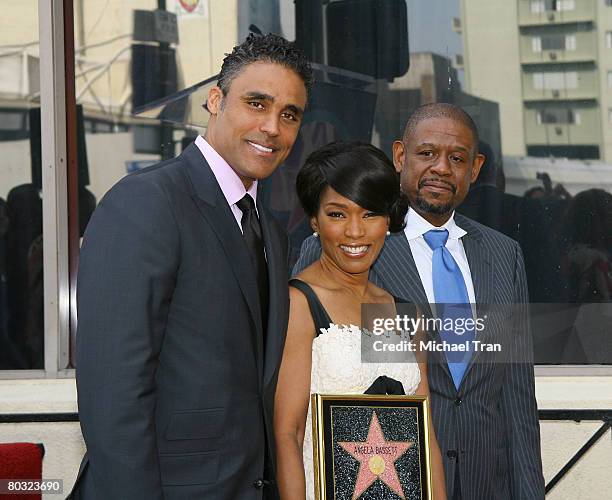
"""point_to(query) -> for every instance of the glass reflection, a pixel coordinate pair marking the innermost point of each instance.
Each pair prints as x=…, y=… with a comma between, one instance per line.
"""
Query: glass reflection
x=533, y=74
x=21, y=257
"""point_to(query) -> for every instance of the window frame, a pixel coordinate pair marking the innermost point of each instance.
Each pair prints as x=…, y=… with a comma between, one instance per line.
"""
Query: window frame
x=54, y=150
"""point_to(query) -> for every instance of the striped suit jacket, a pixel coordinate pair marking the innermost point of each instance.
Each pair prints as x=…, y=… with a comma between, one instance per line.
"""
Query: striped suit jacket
x=488, y=429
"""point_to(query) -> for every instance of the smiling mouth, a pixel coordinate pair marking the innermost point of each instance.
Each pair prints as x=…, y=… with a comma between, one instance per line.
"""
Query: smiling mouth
x=355, y=250
x=260, y=148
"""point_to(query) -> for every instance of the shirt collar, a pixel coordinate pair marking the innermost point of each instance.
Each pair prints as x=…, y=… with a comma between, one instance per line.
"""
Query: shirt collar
x=417, y=226
x=229, y=182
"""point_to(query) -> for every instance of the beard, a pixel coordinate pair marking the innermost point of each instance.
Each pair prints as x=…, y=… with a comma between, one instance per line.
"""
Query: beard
x=430, y=208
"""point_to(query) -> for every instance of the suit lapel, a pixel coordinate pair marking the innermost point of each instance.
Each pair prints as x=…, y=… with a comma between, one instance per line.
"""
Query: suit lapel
x=481, y=271
x=397, y=271
x=278, y=283
x=479, y=260
x=214, y=209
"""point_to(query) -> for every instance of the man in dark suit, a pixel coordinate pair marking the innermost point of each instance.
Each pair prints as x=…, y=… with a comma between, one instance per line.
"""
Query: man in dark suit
x=485, y=414
x=183, y=302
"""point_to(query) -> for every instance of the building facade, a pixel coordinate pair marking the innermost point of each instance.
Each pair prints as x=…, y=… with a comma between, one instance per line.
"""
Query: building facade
x=549, y=65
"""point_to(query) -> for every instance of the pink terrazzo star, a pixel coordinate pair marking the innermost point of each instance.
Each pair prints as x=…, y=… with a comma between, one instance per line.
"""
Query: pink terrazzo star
x=377, y=458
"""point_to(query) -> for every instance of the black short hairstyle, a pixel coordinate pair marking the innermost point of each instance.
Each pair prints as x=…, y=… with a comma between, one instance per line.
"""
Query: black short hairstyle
x=441, y=110
x=268, y=48
x=360, y=172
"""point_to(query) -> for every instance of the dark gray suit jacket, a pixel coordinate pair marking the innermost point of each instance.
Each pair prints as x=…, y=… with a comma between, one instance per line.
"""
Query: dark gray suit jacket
x=175, y=389
x=489, y=428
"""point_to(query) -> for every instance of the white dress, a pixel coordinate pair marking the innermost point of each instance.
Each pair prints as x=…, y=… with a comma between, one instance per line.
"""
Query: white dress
x=337, y=369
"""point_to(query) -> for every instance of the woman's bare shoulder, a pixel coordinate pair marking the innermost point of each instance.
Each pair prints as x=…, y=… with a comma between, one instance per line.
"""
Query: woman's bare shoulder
x=300, y=318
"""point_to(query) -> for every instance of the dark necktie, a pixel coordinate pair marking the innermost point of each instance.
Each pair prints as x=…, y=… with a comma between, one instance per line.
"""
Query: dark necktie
x=452, y=302
x=251, y=230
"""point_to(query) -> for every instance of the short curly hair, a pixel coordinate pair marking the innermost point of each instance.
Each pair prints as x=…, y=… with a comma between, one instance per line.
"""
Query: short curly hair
x=360, y=172
x=441, y=110
x=264, y=48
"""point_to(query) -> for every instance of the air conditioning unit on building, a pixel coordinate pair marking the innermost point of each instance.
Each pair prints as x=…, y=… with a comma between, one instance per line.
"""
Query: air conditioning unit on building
x=456, y=25
x=19, y=75
x=555, y=94
x=552, y=56
x=558, y=130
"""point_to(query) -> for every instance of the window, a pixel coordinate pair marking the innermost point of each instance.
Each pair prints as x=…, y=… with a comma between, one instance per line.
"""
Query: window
x=553, y=42
x=558, y=115
x=556, y=80
x=561, y=5
x=108, y=90
x=539, y=6
x=22, y=305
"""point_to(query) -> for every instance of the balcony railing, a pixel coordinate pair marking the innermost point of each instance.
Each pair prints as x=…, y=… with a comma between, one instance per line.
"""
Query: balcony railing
x=580, y=132
x=579, y=47
x=574, y=85
x=584, y=11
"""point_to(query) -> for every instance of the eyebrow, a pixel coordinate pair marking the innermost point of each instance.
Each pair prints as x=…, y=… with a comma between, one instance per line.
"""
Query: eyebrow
x=335, y=204
x=261, y=96
x=430, y=145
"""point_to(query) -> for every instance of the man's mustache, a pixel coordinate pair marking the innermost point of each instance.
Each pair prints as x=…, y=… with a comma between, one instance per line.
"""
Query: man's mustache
x=452, y=187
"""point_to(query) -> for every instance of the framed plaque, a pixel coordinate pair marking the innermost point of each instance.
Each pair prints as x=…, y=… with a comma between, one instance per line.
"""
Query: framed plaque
x=371, y=447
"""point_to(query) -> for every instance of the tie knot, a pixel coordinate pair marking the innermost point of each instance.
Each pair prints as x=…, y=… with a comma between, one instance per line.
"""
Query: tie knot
x=246, y=203
x=436, y=238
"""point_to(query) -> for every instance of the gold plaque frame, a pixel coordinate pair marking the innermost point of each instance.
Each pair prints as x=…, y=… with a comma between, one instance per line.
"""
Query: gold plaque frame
x=414, y=408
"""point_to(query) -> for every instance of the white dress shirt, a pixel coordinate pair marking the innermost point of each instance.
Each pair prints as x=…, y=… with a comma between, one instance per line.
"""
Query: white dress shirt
x=416, y=227
x=232, y=187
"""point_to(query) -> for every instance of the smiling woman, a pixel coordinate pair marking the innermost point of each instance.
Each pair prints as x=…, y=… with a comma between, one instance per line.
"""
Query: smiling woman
x=351, y=194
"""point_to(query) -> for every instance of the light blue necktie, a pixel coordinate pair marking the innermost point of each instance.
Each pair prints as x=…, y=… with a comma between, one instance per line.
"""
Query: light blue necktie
x=452, y=302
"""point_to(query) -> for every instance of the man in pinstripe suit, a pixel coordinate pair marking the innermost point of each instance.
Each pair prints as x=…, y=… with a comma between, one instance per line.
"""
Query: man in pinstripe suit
x=487, y=427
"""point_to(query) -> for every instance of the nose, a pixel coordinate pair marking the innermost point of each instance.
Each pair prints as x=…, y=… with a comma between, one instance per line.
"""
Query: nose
x=442, y=166
x=270, y=125
x=354, y=228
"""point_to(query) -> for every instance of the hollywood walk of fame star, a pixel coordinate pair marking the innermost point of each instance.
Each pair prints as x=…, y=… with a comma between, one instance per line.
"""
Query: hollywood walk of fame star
x=376, y=458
